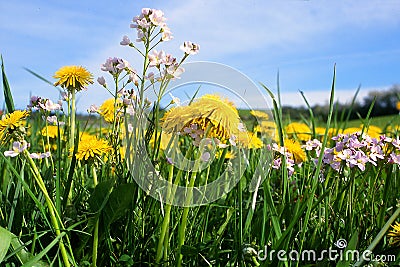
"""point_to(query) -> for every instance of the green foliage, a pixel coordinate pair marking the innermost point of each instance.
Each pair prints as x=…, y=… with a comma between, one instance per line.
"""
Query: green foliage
x=5, y=237
x=6, y=89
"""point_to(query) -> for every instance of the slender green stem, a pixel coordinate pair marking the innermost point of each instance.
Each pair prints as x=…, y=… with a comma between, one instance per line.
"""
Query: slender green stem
x=145, y=65
x=167, y=216
x=96, y=227
x=72, y=119
x=240, y=201
x=72, y=137
x=182, y=226
x=50, y=206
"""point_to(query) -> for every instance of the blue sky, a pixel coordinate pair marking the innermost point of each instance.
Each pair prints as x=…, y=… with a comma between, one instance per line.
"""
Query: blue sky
x=300, y=39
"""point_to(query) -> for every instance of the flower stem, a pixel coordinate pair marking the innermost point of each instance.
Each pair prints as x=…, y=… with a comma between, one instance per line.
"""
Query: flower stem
x=182, y=226
x=96, y=227
x=72, y=136
x=189, y=196
x=50, y=206
x=167, y=216
x=72, y=120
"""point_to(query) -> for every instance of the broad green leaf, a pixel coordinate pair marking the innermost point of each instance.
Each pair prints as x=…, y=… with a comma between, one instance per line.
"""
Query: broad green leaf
x=100, y=195
x=5, y=237
x=9, y=239
x=119, y=201
x=127, y=259
x=352, y=245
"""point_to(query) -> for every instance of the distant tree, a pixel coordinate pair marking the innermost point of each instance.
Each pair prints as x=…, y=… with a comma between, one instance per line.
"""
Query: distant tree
x=385, y=102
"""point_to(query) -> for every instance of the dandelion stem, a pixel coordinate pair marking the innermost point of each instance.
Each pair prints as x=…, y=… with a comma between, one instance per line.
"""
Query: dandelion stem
x=72, y=120
x=72, y=136
x=166, y=217
x=96, y=227
x=182, y=226
x=50, y=206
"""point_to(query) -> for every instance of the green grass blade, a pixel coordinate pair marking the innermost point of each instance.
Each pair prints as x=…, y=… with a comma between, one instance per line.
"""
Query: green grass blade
x=38, y=203
x=277, y=114
x=42, y=78
x=311, y=113
x=381, y=234
x=20, y=251
x=319, y=164
x=34, y=261
x=6, y=89
x=353, y=101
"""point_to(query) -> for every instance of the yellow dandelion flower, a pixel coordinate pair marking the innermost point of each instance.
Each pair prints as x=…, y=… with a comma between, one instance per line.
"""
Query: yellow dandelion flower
x=249, y=140
x=228, y=155
x=110, y=108
x=164, y=140
x=320, y=131
x=393, y=129
x=398, y=105
x=217, y=113
x=175, y=119
x=84, y=136
x=265, y=127
x=333, y=132
x=51, y=131
x=374, y=134
x=394, y=234
x=373, y=131
x=12, y=121
x=48, y=147
x=294, y=147
x=92, y=148
x=259, y=115
x=300, y=130
x=211, y=113
x=73, y=77
x=352, y=130
x=374, y=128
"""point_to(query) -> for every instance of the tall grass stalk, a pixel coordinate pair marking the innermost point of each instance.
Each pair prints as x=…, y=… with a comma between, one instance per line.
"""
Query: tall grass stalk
x=53, y=213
